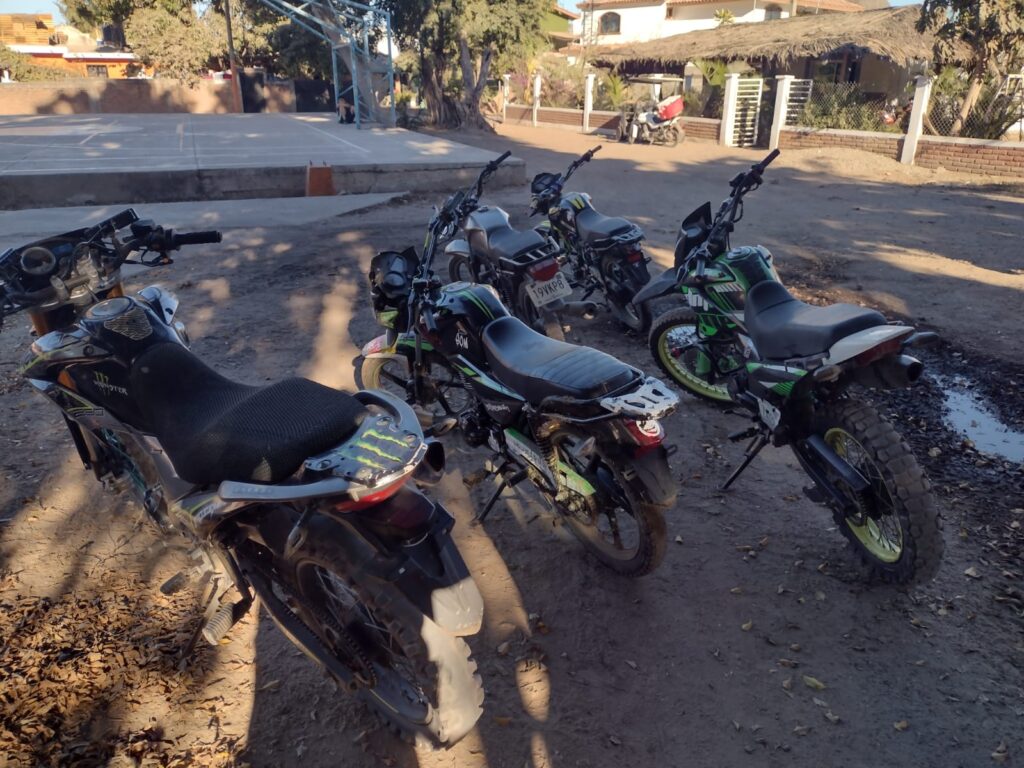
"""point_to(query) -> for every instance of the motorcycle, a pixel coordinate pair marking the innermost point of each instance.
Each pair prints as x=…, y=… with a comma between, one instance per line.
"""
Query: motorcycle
x=297, y=494
x=581, y=426
x=745, y=340
x=604, y=253
x=522, y=265
x=655, y=123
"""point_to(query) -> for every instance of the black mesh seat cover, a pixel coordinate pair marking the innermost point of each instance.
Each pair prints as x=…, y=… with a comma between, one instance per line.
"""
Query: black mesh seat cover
x=215, y=429
x=783, y=327
x=506, y=243
x=536, y=366
x=594, y=226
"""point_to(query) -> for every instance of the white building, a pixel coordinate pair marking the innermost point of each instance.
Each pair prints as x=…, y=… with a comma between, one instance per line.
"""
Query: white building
x=608, y=22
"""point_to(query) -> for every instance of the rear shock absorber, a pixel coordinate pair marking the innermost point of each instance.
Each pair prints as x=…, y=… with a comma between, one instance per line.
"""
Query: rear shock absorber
x=542, y=435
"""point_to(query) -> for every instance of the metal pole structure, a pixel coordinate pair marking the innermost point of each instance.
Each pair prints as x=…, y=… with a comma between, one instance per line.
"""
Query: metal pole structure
x=391, y=70
x=355, y=80
x=236, y=85
x=337, y=82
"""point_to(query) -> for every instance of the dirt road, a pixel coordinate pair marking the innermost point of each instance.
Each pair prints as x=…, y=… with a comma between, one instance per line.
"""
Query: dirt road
x=708, y=662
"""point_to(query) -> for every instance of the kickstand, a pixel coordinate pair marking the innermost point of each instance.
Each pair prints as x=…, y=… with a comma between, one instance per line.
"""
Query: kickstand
x=507, y=481
x=759, y=442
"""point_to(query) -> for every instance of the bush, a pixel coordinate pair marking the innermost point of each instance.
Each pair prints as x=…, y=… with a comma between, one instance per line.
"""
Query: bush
x=23, y=70
x=844, y=105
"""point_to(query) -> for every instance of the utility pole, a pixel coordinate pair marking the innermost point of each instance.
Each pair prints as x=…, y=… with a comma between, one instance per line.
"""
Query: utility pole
x=236, y=85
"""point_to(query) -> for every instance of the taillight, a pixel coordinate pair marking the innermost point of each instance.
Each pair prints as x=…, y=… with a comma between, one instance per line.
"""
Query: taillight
x=374, y=497
x=543, y=271
x=884, y=349
x=634, y=256
x=647, y=434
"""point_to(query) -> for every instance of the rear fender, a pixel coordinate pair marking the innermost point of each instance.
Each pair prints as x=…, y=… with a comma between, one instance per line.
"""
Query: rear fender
x=862, y=341
x=664, y=284
x=653, y=480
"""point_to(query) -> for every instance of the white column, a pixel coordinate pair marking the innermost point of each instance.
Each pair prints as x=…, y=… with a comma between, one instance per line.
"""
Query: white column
x=732, y=89
x=588, y=101
x=922, y=95
x=506, y=89
x=782, y=86
x=536, y=97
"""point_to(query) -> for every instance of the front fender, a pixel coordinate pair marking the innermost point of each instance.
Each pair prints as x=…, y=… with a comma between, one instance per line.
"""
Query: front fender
x=665, y=283
x=457, y=247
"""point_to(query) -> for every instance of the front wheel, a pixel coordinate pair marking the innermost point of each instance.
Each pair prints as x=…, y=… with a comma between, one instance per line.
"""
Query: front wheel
x=895, y=528
x=460, y=269
x=674, y=341
x=607, y=515
x=418, y=678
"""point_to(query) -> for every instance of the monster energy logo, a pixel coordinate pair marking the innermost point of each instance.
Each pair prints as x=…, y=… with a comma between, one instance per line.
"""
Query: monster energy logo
x=102, y=381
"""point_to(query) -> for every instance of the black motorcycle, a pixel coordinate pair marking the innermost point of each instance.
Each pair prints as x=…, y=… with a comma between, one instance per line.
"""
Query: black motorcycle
x=604, y=254
x=523, y=265
x=581, y=426
x=294, y=493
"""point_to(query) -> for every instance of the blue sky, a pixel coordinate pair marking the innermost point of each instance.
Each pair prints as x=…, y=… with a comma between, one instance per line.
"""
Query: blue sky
x=49, y=6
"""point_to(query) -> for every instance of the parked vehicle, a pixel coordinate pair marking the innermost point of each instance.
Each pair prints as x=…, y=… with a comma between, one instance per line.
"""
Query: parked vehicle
x=745, y=339
x=521, y=265
x=294, y=493
x=654, y=123
x=581, y=426
x=603, y=253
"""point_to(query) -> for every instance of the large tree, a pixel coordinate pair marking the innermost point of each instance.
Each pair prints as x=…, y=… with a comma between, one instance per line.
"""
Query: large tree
x=985, y=37
x=178, y=44
x=469, y=32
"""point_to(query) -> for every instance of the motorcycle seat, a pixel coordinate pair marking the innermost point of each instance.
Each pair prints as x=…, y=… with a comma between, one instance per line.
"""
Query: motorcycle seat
x=594, y=226
x=784, y=327
x=507, y=243
x=215, y=429
x=537, y=367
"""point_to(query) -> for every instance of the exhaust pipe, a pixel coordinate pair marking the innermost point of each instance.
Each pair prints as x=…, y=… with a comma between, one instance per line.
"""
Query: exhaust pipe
x=897, y=372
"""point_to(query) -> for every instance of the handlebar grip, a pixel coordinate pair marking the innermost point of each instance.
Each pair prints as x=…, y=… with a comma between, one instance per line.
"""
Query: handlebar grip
x=768, y=160
x=503, y=158
x=196, y=238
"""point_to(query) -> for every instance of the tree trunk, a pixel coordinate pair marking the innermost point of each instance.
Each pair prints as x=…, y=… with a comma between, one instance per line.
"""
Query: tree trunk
x=977, y=82
x=473, y=84
x=440, y=106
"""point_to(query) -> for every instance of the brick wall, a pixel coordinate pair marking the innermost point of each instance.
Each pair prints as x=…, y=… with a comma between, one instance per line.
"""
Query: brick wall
x=552, y=116
x=517, y=114
x=96, y=95
x=994, y=158
x=887, y=144
x=702, y=128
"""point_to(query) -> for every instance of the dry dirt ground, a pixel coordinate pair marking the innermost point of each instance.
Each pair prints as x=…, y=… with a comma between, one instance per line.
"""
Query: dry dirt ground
x=700, y=664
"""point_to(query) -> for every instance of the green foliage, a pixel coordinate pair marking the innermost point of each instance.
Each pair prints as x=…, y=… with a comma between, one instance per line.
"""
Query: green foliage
x=23, y=70
x=724, y=17
x=992, y=116
x=177, y=45
x=714, y=71
x=562, y=84
x=611, y=92
x=297, y=52
x=843, y=105
x=86, y=15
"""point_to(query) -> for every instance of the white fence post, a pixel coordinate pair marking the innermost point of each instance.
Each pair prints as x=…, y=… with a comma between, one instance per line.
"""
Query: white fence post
x=782, y=86
x=536, y=97
x=732, y=88
x=922, y=96
x=506, y=90
x=588, y=101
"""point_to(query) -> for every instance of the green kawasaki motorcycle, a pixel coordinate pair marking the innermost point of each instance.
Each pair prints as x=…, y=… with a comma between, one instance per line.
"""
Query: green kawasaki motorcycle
x=745, y=340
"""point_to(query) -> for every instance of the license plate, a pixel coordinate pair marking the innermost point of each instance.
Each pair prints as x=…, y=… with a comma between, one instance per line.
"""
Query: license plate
x=550, y=290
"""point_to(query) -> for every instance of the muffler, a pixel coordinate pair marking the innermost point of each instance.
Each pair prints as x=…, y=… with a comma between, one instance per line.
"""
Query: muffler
x=897, y=372
x=585, y=309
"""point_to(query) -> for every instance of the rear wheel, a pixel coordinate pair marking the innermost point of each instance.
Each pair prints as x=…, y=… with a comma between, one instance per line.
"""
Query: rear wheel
x=418, y=678
x=895, y=528
x=540, y=320
x=629, y=278
x=671, y=136
x=613, y=524
x=673, y=341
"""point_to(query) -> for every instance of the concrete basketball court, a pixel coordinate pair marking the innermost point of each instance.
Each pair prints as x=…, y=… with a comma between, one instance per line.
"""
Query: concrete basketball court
x=56, y=160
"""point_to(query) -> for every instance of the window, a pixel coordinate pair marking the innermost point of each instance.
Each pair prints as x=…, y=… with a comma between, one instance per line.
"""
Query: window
x=772, y=12
x=96, y=70
x=609, y=24
x=669, y=12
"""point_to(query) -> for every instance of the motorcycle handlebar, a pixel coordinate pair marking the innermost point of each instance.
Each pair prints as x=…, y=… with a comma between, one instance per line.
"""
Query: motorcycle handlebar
x=195, y=238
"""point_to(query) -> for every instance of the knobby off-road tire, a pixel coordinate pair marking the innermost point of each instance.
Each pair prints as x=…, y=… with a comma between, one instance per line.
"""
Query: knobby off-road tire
x=659, y=341
x=440, y=664
x=651, y=533
x=900, y=490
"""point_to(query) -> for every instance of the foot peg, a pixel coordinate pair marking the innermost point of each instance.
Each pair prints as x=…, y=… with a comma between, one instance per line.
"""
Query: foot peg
x=217, y=627
x=175, y=583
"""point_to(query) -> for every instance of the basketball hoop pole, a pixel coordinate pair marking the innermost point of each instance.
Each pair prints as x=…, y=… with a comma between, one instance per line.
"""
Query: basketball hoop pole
x=236, y=85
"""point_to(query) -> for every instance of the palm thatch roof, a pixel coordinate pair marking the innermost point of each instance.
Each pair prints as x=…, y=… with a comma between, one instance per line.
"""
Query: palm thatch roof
x=889, y=32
